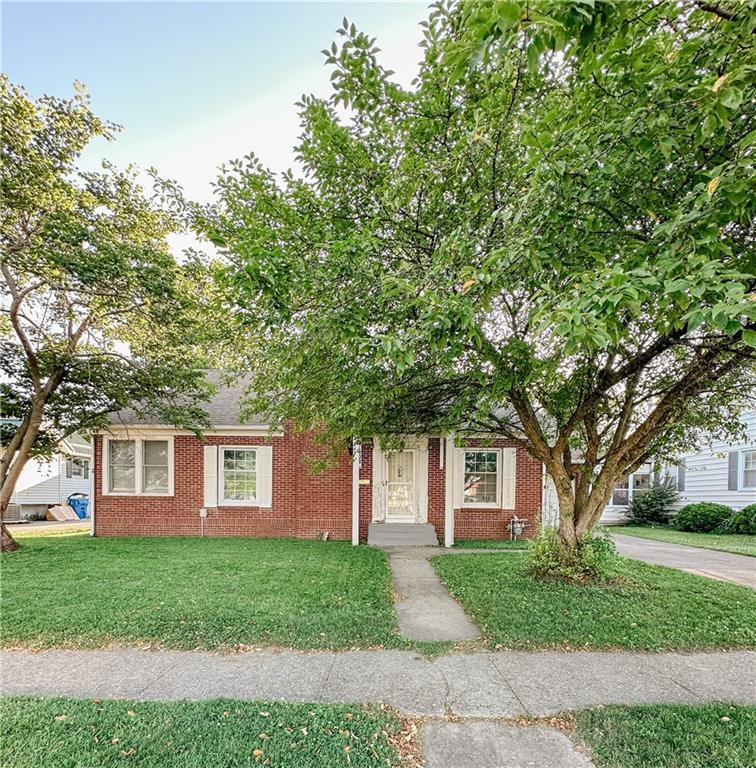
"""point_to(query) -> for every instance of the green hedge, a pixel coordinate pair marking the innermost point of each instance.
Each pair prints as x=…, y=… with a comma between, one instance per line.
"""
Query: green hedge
x=703, y=517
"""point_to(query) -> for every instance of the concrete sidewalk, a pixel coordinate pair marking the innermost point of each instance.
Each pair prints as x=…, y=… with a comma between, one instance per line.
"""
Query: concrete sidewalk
x=725, y=566
x=476, y=685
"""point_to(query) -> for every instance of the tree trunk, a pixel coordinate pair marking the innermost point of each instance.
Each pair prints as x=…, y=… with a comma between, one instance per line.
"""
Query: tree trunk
x=30, y=430
x=7, y=542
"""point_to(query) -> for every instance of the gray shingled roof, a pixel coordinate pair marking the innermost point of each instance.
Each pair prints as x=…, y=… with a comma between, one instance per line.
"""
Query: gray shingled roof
x=222, y=408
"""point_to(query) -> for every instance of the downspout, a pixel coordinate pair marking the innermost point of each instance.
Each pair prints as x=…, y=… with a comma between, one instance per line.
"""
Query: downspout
x=449, y=491
x=356, y=465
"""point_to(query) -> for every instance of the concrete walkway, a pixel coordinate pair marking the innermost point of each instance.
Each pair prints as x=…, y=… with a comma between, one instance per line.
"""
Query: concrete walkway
x=424, y=608
x=725, y=566
x=476, y=685
x=489, y=744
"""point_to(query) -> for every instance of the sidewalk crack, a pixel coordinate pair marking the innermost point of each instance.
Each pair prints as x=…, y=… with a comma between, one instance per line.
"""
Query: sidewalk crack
x=674, y=680
x=327, y=679
x=492, y=662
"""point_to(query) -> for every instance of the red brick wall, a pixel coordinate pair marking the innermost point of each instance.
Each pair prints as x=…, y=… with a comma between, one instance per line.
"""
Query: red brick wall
x=436, y=486
x=492, y=523
x=303, y=503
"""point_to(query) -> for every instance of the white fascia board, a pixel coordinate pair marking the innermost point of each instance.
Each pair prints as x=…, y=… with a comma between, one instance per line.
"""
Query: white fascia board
x=160, y=430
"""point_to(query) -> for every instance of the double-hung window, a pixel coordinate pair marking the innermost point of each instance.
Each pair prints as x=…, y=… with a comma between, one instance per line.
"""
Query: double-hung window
x=138, y=467
x=154, y=466
x=239, y=481
x=488, y=478
x=749, y=469
x=77, y=468
x=481, y=477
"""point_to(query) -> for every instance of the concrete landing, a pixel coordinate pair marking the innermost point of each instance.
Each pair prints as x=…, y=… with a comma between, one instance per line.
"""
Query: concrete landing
x=485, y=744
x=424, y=608
x=402, y=535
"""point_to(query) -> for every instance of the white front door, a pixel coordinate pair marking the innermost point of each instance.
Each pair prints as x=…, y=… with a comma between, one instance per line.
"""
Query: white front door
x=400, y=487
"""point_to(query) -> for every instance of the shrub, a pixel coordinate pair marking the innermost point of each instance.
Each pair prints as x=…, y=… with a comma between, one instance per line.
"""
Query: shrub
x=742, y=521
x=654, y=505
x=703, y=517
x=548, y=558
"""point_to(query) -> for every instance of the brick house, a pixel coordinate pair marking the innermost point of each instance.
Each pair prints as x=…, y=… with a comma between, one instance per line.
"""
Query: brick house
x=242, y=479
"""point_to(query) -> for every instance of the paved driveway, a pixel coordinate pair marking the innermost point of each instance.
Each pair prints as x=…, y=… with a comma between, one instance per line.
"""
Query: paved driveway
x=724, y=566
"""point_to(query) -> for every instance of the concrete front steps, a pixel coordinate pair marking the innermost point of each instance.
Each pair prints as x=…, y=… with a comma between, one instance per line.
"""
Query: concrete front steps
x=402, y=535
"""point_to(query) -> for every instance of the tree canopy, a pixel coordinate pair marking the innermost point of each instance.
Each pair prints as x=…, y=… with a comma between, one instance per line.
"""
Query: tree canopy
x=549, y=237
x=96, y=312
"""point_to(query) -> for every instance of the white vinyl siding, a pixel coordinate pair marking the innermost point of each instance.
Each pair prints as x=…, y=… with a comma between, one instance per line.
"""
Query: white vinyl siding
x=45, y=482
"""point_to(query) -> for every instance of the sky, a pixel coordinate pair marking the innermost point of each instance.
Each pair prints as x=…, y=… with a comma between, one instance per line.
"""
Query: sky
x=195, y=84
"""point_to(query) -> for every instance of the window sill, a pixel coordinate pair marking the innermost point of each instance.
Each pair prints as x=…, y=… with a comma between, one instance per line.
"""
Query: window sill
x=482, y=505
x=251, y=503
x=134, y=494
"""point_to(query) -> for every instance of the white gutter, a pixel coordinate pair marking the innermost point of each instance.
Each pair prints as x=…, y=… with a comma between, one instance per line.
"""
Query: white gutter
x=356, y=464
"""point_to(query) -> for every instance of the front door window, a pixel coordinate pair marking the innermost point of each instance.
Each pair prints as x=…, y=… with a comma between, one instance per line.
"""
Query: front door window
x=400, y=486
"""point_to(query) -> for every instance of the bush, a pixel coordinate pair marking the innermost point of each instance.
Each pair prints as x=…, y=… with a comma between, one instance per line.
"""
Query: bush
x=548, y=558
x=703, y=517
x=742, y=521
x=654, y=505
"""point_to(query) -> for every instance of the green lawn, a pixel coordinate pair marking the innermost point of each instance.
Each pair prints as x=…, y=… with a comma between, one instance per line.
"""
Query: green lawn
x=740, y=544
x=76, y=591
x=670, y=736
x=66, y=733
x=23, y=532
x=651, y=608
x=520, y=544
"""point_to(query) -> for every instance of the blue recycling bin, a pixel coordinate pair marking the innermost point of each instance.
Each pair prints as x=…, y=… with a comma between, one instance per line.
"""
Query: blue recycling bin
x=80, y=504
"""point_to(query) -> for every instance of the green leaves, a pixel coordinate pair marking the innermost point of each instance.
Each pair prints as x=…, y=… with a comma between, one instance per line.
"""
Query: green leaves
x=561, y=201
x=100, y=315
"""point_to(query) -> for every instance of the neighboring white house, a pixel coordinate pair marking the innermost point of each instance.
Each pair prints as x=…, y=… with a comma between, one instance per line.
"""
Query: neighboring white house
x=721, y=472
x=49, y=481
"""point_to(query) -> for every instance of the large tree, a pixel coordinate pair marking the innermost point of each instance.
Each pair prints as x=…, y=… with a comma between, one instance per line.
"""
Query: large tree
x=548, y=237
x=96, y=313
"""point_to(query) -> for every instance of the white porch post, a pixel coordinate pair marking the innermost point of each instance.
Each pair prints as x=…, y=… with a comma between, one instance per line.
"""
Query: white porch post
x=356, y=463
x=450, y=467
x=92, y=467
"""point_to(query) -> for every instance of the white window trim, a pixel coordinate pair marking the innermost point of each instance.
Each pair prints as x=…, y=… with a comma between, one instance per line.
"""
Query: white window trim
x=630, y=489
x=138, y=452
x=499, y=464
x=742, y=470
x=222, y=501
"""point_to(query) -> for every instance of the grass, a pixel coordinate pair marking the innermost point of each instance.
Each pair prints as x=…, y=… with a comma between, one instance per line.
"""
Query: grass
x=75, y=591
x=22, y=532
x=649, y=608
x=67, y=733
x=739, y=544
x=492, y=544
x=670, y=736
